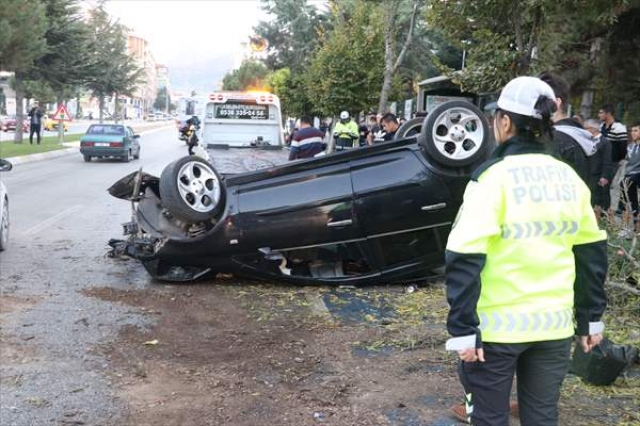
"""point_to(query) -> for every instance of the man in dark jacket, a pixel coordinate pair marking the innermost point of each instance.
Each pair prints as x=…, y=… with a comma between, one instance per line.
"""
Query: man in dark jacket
x=35, y=121
x=572, y=143
x=602, y=169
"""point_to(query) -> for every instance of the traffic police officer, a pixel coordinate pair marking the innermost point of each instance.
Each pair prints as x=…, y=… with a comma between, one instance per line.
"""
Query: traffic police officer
x=524, y=260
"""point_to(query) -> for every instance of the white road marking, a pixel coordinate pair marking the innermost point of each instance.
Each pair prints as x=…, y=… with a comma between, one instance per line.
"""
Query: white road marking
x=45, y=223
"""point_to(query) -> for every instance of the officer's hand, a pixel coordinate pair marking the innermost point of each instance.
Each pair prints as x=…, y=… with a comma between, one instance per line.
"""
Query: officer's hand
x=472, y=355
x=603, y=182
x=590, y=342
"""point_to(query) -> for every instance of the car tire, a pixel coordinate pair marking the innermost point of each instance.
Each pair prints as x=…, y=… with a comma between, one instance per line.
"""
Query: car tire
x=456, y=134
x=191, y=189
x=127, y=157
x=410, y=128
x=4, y=225
x=136, y=156
x=87, y=158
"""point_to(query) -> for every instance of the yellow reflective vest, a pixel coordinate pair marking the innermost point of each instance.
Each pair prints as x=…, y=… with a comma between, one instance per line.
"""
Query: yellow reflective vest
x=525, y=237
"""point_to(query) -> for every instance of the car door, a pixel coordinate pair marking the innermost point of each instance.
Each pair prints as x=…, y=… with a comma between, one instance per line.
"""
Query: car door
x=306, y=214
x=404, y=209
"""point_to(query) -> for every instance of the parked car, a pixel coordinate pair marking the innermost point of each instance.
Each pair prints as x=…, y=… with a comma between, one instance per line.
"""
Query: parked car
x=110, y=140
x=52, y=125
x=9, y=123
x=374, y=214
x=5, y=166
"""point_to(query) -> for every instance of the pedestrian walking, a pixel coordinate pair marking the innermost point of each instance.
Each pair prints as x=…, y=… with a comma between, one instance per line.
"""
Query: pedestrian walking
x=522, y=209
x=631, y=181
x=307, y=141
x=35, y=120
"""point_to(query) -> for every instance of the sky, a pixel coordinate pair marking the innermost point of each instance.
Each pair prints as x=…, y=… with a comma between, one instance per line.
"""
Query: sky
x=198, y=40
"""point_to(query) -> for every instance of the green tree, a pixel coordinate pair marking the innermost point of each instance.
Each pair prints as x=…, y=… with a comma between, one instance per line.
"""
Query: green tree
x=506, y=38
x=292, y=33
x=163, y=100
x=291, y=90
x=22, y=28
x=347, y=68
x=251, y=75
x=64, y=65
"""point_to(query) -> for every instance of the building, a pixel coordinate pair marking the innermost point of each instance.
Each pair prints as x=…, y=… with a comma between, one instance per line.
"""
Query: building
x=142, y=100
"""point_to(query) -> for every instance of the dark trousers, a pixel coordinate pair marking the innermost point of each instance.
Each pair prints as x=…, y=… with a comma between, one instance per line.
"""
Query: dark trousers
x=35, y=128
x=540, y=369
x=629, y=193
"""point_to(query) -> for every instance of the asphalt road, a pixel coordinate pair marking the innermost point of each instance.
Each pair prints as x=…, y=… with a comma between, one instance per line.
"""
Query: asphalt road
x=61, y=220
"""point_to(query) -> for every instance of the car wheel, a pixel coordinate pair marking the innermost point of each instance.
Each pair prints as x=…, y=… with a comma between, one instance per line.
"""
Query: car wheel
x=456, y=134
x=127, y=157
x=136, y=156
x=4, y=225
x=192, y=190
x=87, y=158
x=410, y=128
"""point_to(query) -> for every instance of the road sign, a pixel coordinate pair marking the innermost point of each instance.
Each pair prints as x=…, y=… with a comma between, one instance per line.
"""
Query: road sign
x=62, y=114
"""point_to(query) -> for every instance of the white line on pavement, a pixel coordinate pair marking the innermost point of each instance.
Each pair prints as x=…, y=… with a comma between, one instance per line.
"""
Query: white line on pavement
x=42, y=225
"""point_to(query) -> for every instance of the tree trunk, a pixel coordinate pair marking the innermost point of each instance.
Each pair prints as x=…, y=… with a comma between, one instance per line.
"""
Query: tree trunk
x=101, y=106
x=116, y=108
x=390, y=64
x=19, y=88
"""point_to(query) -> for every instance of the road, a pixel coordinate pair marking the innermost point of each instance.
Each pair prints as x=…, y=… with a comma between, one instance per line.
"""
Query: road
x=61, y=219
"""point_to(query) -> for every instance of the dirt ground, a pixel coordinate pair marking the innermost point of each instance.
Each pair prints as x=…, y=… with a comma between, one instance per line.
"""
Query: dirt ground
x=242, y=353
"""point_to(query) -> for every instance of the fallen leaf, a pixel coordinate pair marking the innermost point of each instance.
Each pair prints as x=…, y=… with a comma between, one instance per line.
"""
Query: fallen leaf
x=151, y=342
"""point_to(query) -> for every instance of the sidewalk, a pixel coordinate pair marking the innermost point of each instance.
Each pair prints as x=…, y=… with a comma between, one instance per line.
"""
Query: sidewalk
x=74, y=145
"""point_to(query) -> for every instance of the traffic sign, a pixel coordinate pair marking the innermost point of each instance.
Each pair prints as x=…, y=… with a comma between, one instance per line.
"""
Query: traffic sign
x=62, y=114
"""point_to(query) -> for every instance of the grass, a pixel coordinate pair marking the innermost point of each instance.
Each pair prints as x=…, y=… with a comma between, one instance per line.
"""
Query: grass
x=48, y=143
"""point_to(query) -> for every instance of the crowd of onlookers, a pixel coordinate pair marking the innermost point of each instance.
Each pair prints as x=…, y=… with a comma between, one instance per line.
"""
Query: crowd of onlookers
x=600, y=149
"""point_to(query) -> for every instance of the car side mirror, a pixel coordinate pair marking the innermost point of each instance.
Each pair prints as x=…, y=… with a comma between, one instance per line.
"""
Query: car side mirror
x=136, y=136
x=5, y=165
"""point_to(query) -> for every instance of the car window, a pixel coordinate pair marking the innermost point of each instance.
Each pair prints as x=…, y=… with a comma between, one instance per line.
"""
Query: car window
x=99, y=129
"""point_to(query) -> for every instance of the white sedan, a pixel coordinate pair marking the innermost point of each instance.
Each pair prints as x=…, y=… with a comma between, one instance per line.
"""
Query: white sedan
x=5, y=166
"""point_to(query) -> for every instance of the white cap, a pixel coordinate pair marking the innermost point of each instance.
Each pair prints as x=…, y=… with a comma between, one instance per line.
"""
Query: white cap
x=344, y=115
x=521, y=94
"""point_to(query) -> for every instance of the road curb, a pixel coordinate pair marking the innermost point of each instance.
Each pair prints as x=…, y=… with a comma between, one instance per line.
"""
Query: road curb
x=73, y=149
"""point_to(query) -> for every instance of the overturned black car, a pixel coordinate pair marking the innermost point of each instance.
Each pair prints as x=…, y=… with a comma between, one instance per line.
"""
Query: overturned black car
x=375, y=214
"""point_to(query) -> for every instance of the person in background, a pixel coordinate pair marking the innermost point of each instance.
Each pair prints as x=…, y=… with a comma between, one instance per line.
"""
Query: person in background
x=507, y=314
x=601, y=167
x=572, y=143
x=307, y=141
x=375, y=130
x=631, y=181
x=616, y=132
x=390, y=125
x=35, y=120
x=363, y=130
x=345, y=132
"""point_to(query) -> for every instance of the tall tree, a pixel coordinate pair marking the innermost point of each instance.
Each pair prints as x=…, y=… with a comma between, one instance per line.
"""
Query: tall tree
x=22, y=28
x=114, y=72
x=64, y=65
x=292, y=33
